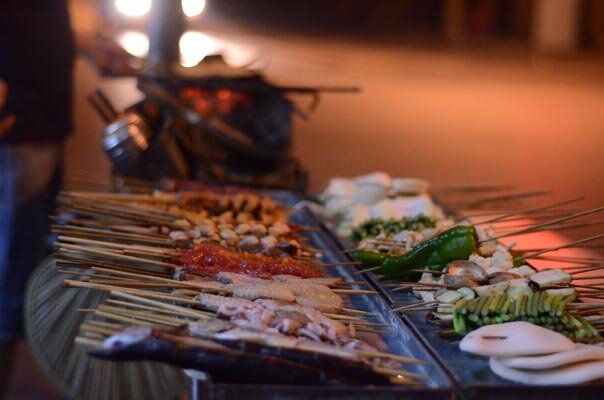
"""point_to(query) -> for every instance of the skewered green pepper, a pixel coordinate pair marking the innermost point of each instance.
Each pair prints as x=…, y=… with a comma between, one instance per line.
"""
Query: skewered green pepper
x=457, y=243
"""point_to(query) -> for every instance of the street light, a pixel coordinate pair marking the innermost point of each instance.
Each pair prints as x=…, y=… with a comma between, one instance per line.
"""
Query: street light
x=133, y=8
x=193, y=8
x=138, y=8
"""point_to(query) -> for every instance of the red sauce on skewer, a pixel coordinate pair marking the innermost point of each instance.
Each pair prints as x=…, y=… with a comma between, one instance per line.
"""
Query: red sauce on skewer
x=210, y=259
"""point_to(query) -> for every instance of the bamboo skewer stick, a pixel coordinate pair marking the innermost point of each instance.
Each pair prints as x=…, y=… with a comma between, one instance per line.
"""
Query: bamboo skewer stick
x=496, y=199
x=149, y=249
x=109, y=288
x=532, y=210
x=67, y=261
x=362, y=271
x=582, y=271
x=187, y=312
x=85, y=249
x=575, y=260
x=105, y=227
x=530, y=255
x=354, y=291
x=411, y=307
x=572, y=225
x=544, y=224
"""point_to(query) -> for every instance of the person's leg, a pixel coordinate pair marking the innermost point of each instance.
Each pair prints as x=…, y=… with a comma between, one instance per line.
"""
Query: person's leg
x=30, y=180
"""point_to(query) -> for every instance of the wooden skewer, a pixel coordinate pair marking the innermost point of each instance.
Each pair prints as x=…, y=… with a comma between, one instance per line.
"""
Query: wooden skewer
x=362, y=271
x=471, y=188
x=534, y=218
x=574, y=260
x=68, y=261
x=369, y=330
x=428, y=271
x=146, y=293
x=85, y=249
x=530, y=255
x=153, y=251
x=410, y=307
x=150, y=308
x=496, y=199
x=544, y=224
x=588, y=277
x=187, y=312
x=123, y=318
x=337, y=264
x=353, y=291
x=582, y=271
x=360, y=312
x=532, y=210
x=565, y=226
x=587, y=246
x=110, y=227
x=143, y=315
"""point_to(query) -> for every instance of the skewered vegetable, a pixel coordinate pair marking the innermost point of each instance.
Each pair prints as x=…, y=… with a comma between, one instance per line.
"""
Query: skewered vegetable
x=457, y=243
x=543, y=309
x=388, y=227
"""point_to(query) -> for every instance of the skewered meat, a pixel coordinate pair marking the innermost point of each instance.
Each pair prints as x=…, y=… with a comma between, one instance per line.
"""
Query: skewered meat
x=317, y=281
x=231, y=277
x=210, y=259
x=318, y=297
x=276, y=291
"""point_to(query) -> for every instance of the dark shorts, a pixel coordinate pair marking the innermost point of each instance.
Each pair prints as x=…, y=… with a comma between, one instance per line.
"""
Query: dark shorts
x=30, y=177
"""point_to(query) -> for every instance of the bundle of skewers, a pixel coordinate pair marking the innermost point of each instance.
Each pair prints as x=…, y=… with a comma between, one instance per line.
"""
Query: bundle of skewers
x=221, y=282
x=455, y=262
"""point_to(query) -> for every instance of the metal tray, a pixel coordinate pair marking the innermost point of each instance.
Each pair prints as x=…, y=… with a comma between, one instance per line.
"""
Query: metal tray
x=471, y=374
x=400, y=340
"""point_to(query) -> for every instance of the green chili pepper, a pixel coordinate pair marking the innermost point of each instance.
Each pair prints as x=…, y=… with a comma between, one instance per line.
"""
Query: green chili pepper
x=370, y=258
x=457, y=243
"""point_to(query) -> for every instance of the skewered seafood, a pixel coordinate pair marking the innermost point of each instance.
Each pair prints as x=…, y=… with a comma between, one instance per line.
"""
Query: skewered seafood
x=213, y=302
x=565, y=375
x=581, y=352
x=224, y=364
x=514, y=339
x=526, y=353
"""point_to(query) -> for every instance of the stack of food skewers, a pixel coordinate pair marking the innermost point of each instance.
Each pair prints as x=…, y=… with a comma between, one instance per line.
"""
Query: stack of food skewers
x=218, y=281
x=461, y=274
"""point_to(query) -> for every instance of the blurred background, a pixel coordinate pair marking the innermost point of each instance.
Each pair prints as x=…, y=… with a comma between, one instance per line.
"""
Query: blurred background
x=454, y=91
